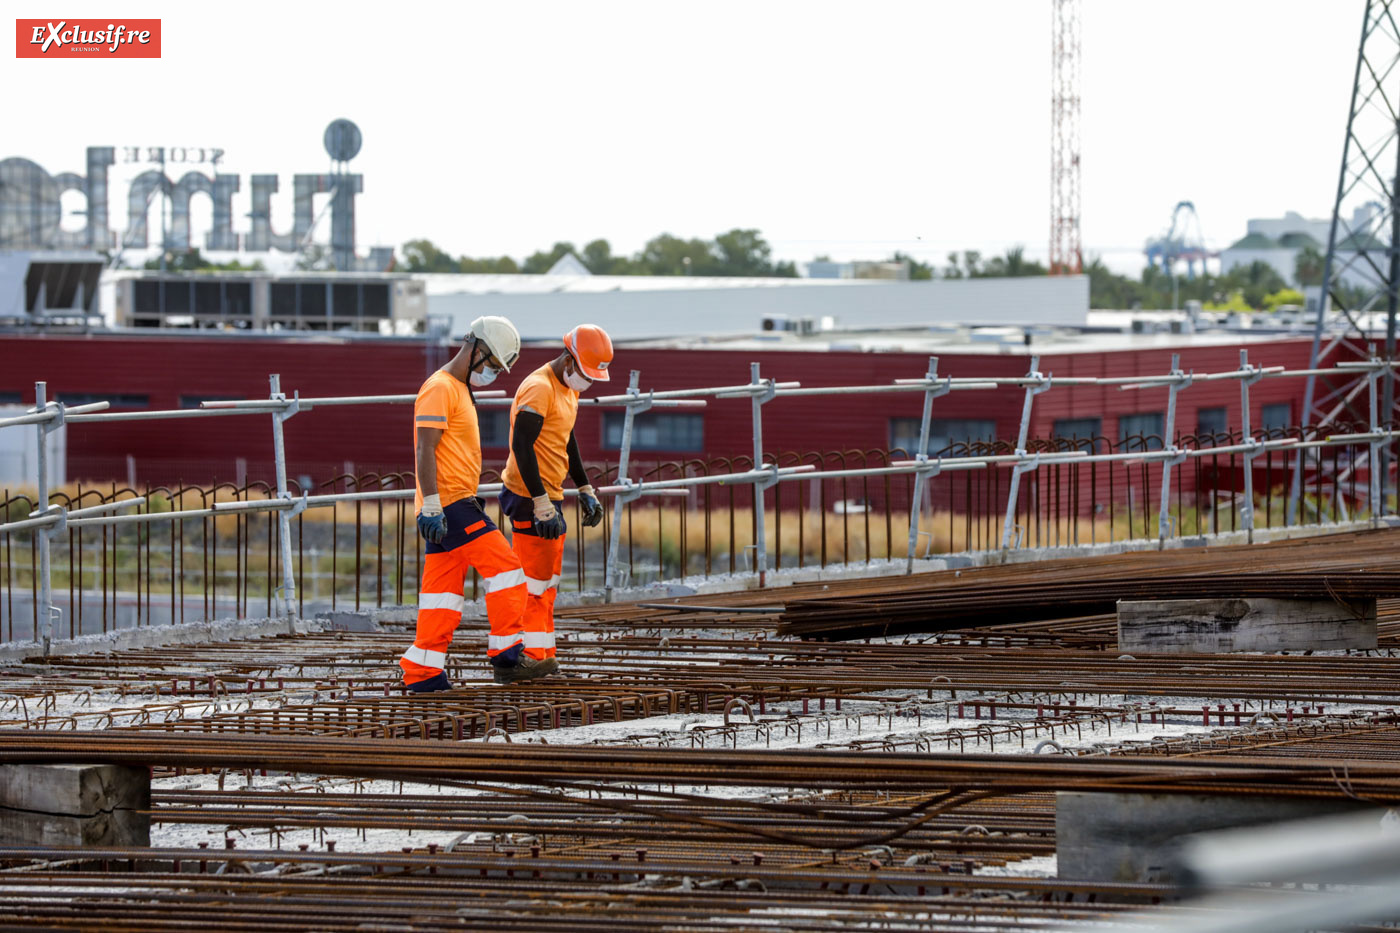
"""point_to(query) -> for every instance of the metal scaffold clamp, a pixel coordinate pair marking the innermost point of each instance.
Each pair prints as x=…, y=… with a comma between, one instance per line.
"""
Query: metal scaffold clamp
x=291, y=407
x=1027, y=463
x=1041, y=382
x=54, y=518
x=631, y=492
x=298, y=505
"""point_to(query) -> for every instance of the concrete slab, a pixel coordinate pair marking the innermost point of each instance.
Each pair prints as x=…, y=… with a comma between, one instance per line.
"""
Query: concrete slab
x=1133, y=837
x=189, y=633
x=1217, y=626
x=348, y=621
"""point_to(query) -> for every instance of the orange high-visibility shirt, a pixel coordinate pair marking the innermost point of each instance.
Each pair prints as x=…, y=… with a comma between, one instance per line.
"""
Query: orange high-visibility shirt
x=444, y=403
x=557, y=404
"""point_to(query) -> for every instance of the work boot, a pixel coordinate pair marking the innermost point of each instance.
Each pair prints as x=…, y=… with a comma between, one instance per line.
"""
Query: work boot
x=431, y=685
x=527, y=669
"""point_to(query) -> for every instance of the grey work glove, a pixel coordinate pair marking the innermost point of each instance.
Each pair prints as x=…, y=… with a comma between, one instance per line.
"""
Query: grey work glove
x=432, y=524
x=549, y=524
x=592, y=508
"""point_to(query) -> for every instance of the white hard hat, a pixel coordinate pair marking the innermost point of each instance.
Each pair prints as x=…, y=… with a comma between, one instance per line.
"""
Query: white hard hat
x=500, y=337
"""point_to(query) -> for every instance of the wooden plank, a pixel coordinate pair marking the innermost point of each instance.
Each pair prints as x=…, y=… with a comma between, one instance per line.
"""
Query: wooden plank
x=1212, y=626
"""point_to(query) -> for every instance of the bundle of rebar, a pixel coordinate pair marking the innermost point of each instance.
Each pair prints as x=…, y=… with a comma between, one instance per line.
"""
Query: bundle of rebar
x=552, y=765
x=1344, y=568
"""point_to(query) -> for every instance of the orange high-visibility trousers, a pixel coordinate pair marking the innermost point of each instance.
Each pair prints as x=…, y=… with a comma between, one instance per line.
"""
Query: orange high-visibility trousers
x=472, y=541
x=542, y=560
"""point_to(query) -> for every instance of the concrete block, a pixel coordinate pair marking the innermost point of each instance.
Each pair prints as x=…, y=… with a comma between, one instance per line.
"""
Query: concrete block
x=348, y=621
x=74, y=805
x=119, y=828
x=1211, y=626
x=1132, y=837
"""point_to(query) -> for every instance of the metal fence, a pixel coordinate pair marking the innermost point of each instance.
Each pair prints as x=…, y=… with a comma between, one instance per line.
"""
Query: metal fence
x=183, y=554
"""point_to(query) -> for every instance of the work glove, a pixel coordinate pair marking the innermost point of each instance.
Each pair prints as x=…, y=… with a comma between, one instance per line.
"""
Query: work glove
x=432, y=524
x=549, y=524
x=592, y=508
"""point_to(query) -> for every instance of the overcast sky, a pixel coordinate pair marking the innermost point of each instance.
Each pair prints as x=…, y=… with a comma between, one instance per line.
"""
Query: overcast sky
x=853, y=129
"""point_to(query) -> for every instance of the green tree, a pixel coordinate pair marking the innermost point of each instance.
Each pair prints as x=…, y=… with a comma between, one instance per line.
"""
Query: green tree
x=1284, y=296
x=952, y=270
x=598, y=257
x=1307, y=266
x=670, y=255
x=1235, y=301
x=1254, y=282
x=192, y=260
x=743, y=252
x=315, y=258
x=539, y=263
x=424, y=256
x=502, y=266
x=918, y=271
x=1013, y=264
x=1109, y=290
x=972, y=259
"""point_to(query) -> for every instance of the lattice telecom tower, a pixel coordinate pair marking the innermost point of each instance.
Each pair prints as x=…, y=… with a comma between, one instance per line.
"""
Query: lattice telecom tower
x=1066, y=253
x=1361, y=273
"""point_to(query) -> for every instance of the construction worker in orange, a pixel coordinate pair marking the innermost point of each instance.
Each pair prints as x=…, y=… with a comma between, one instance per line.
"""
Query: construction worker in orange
x=459, y=535
x=543, y=450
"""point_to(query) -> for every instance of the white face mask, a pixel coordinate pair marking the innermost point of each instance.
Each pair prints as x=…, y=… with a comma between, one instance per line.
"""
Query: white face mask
x=577, y=381
x=485, y=377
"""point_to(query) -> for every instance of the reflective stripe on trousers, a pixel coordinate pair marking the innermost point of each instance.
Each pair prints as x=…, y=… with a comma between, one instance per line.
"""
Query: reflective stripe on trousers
x=537, y=587
x=440, y=603
x=437, y=659
x=542, y=561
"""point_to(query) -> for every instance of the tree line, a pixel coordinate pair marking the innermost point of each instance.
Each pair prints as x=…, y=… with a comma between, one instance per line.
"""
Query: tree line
x=737, y=252
x=1255, y=287
x=744, y=252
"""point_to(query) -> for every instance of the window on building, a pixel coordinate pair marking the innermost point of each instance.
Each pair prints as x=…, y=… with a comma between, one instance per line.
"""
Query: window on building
x=1277, y=415
x=192, y=401
x=1148, y=424
x=656, y=431
x=1079, y=429
x=1211, y=421
x=495, y=426
x=11, y=398
x=118, y=401
x=942, y=433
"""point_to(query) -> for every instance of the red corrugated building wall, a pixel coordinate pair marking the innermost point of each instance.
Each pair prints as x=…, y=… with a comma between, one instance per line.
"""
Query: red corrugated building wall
x=169, y=371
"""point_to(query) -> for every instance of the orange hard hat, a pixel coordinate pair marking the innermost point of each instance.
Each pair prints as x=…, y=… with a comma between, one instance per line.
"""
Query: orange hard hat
x=591, y=349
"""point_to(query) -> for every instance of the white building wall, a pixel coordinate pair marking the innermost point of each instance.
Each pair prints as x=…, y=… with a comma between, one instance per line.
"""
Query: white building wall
x=714, y=309
x=1291, y=222
x=19, y=454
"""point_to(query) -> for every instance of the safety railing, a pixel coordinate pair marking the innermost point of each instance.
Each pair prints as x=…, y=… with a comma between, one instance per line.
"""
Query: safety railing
x=1055, y=492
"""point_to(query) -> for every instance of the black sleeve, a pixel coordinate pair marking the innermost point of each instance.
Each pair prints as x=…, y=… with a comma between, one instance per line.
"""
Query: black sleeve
x=576, y=471
x=522, y=444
